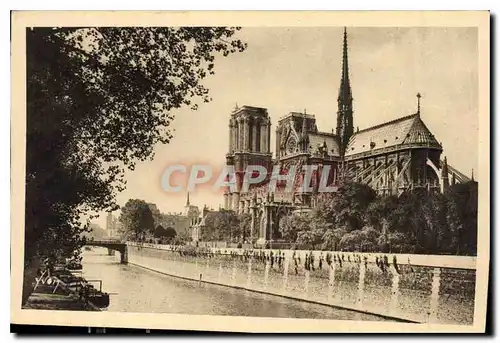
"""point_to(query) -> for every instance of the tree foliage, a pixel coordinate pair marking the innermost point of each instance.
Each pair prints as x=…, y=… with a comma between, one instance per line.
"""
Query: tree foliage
x=291, y=225
x=181, y=238
x=98, y=101
x=170, y=233
x=347, y=207
x=305, y=229
x=244, y=226
x=136, y=220
x=165, y=234
x=96, y=232
x=331, y=238
x=355, y=219
x=220, y=225
x=312, y=237
x=227, y=226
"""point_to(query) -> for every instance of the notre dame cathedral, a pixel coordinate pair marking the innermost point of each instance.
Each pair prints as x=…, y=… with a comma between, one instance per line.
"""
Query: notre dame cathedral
x=393, y=157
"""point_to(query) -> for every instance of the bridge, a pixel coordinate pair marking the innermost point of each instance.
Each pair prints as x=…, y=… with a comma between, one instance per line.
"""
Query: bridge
x=111, y=244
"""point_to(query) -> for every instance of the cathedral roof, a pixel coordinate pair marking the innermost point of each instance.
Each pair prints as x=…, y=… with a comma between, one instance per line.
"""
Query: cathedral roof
x=402, y=131
x=319, y=138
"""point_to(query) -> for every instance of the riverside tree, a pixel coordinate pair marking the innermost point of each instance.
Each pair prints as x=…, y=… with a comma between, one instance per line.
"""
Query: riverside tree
x=136, y=220
x=220, y=225
x=347, y=207
x=98, y=101
x=165, y=234
x=244, y=226
x=355, y=219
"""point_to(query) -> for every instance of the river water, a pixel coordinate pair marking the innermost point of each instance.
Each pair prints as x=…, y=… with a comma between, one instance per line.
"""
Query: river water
x=134, y=289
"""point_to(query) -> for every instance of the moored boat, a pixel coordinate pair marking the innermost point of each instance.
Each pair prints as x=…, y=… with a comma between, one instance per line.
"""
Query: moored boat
x=93, y=295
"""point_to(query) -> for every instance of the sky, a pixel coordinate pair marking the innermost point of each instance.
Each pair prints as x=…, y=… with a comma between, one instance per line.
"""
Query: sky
x=297, y=69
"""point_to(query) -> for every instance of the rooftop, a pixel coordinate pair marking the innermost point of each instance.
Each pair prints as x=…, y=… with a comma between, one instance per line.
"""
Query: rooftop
x=238, y=109
x=296, y=114
x=406, y=130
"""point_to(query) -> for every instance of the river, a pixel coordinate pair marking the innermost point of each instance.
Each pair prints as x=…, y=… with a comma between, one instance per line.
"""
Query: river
x=134, y=289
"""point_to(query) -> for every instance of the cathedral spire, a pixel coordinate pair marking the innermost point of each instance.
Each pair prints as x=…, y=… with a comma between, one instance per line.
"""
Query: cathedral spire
x=345, y=85
x=345, y=127
x=187, y=200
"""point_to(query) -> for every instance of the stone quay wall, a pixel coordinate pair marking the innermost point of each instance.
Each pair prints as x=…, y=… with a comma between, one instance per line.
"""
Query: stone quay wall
x=416, y=288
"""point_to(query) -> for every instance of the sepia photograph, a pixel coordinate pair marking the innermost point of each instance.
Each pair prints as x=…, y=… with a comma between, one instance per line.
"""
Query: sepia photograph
x=251, y=172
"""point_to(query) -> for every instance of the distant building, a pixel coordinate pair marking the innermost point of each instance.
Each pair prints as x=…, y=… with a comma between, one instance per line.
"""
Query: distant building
x=191, y=211
x=181, y=222
x=112, y=225
x=199, y=223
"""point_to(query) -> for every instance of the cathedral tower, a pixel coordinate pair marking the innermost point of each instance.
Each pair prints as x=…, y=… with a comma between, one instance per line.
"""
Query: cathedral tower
x=249, y=131
x=345, y=125
x=249, y=144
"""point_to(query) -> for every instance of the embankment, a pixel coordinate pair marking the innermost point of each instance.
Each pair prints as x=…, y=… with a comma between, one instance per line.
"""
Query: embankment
x=419, y=288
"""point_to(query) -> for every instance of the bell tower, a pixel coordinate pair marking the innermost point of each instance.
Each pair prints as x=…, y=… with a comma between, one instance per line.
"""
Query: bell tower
x=249, y=144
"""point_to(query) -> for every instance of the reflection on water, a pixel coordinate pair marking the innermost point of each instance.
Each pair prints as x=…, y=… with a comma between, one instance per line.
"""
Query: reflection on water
x=134, y=289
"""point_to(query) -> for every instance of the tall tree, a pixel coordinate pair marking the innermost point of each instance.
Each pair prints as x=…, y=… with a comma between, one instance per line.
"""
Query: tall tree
x=379, y=213
x=136, y=219
x=311, y=235
x=347, y=207
x=99, y=100
x=291, y=225
x=221, y=225
x=461, y=216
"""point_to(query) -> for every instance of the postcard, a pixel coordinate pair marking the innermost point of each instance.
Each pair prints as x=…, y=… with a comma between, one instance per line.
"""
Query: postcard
x=251, y=171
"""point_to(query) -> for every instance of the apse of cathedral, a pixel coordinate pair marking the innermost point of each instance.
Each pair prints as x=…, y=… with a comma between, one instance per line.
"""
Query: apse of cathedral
x=392, y=158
